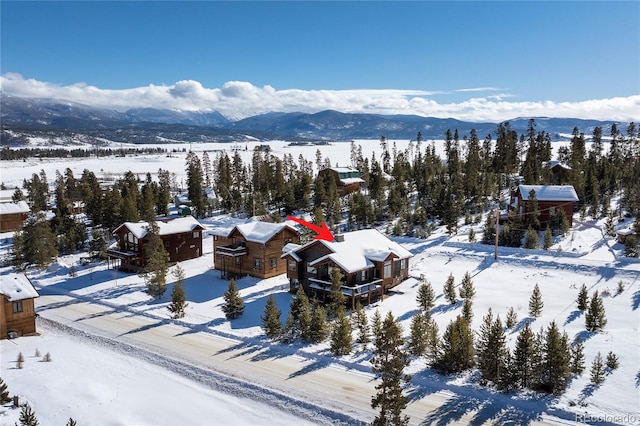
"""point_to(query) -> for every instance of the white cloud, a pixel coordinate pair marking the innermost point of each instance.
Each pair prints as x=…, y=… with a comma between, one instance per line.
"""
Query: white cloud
x=238, y=99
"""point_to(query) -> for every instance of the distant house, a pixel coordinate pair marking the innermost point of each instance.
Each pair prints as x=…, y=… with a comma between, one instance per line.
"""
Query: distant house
x=17, y=310
x=13, y=215
x=551, y=199
x=182, y=238
x=253, y=248
x=347, y=180
x=559, y=172
x=370, y=264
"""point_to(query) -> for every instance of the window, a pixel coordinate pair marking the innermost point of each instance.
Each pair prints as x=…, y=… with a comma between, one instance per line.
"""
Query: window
x=17, y=306
x=238, y=260
x=274, y=263
x=363, y=276
x=403, y=263
x=196, y=234
x=312, y=270
x=292, y=265
x=257, y=263
x=387, y=269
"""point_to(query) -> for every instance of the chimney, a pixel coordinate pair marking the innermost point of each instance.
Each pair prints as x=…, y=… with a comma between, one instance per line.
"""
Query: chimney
x=339, y=238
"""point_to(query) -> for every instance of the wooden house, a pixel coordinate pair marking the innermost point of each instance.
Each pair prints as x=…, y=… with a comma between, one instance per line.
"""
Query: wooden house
x=13, y=215
x=551, y=199
x=17, y=310
x=347, y=180
x=253, y=248
x=182, y=238
x=370, y=264
x=559, y=172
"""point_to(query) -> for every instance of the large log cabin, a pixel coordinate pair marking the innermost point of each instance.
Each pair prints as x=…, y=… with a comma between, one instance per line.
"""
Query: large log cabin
x=370, y=264
x=551, y=200
x=182, y=238
x=17, y=310
x=253, y=248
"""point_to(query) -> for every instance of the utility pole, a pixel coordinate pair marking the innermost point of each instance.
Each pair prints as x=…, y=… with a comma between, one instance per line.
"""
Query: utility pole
x=495, y=255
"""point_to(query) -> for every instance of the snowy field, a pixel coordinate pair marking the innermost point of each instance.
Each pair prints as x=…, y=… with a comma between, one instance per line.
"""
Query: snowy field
x=163, y=396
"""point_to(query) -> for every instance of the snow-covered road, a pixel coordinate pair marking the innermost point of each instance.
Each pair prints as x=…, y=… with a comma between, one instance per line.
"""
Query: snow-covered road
x=330, y=394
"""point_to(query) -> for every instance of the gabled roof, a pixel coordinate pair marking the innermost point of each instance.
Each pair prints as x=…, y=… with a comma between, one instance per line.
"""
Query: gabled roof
x=17, y=287
x=174, y=226
x=549, y=192
x=359, y=250
x=12, y=208
x=261, y=232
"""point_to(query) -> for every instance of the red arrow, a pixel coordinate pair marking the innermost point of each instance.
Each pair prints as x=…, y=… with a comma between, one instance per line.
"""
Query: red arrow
x=324, y=233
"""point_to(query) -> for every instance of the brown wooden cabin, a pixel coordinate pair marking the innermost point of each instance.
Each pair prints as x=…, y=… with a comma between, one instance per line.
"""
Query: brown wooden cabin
x=182, y=238
x=370, y=263
x=13, y=215
x=253, y=248
x=347, y=180
x=17, y=310
x=559, y=172
x=551, y=198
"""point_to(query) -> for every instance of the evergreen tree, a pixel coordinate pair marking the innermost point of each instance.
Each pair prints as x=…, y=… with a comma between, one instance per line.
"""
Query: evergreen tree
x=457, y=347
x=450, y=289
x=4, y=393
x=362, y=325
x=597, y=370
x=178, y=299
x=612, y=361
x=388, y=363
x=341, y=338
x=20, y=360
x=376, y=325
x=35, y=243
x=195, y=184
x=491, y=349
x=535, y=302
x=417, y=344
x=576, y=365
x=299, y=307
x=522, y=366
x=472, y=235
x=467, y=310
x=319, y=330
x=595, y=318
x=547, y=242
x=512, y=318
x=432, y=340
x=531, y=241
x=71, y=422
x=289, y=332
x=466, y=287
x=271, y=319
x=27, y=416
x=425, y=297
x=337, y=299
x=233, y=306
x=556, y=363
x=155, y=272
x=583, y=298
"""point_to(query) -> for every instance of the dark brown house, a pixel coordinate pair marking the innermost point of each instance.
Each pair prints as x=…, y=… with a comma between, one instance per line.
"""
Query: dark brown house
x=253, y=248
x=182, y=238
x=347, y=180
x=17, y=310
x=370, y=264
x=13, y=215
x=551, y=199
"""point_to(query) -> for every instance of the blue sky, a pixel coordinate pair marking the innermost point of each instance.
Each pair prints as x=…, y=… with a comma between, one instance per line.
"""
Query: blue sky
x=425, y=57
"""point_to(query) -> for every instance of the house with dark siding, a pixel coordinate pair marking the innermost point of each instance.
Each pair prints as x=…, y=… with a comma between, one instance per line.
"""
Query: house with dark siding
x=551, y=200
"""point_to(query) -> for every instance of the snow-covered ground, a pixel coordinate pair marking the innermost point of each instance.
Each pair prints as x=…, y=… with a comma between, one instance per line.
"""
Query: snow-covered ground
x=582, y=257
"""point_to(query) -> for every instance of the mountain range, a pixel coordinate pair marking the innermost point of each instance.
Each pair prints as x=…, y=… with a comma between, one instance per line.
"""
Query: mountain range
x=23, y=118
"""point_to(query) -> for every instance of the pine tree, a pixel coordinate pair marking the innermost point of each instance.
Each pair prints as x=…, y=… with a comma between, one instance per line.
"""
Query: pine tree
x=20, y=360
x=491, y=349
x=305, y=322
x=612, y=361
x=472, y=235
x=376, y=324
x=271, y=319
x=341, y=335
x=512, y=318
x=319, y=326
x=388, y=363
x=467, y=310
x=417, y=345
x=450, y=289
x=595, y=318
x=577, y=357
x=583, y=298
x=362, y=325
x=556, y=363
x=531, y=239
x=299, y=307
x=4, y=393
x=337, y=299
x=71, y=422
x=289, y=332
x=535, y=302
x=547, y=242
x=432, y=339
x=457, y=347
x=178, y=299
x=233, y=306
x=155, y=272
x=27, y=416
x=466, y=287
x=597, y=370
x=523, y=356
x=425, y=296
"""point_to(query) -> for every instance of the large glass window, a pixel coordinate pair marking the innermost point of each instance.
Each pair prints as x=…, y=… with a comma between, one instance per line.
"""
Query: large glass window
x=387, y=269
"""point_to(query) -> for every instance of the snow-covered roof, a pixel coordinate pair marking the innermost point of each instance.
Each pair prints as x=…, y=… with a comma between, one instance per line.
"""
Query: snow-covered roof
x=549, y=192
x=12, y=208
x=359, y=249
x=349, y=181
x=17, y=287
x=554, y=163
x=174, y=226
x=261, y=232
x=344, y=169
